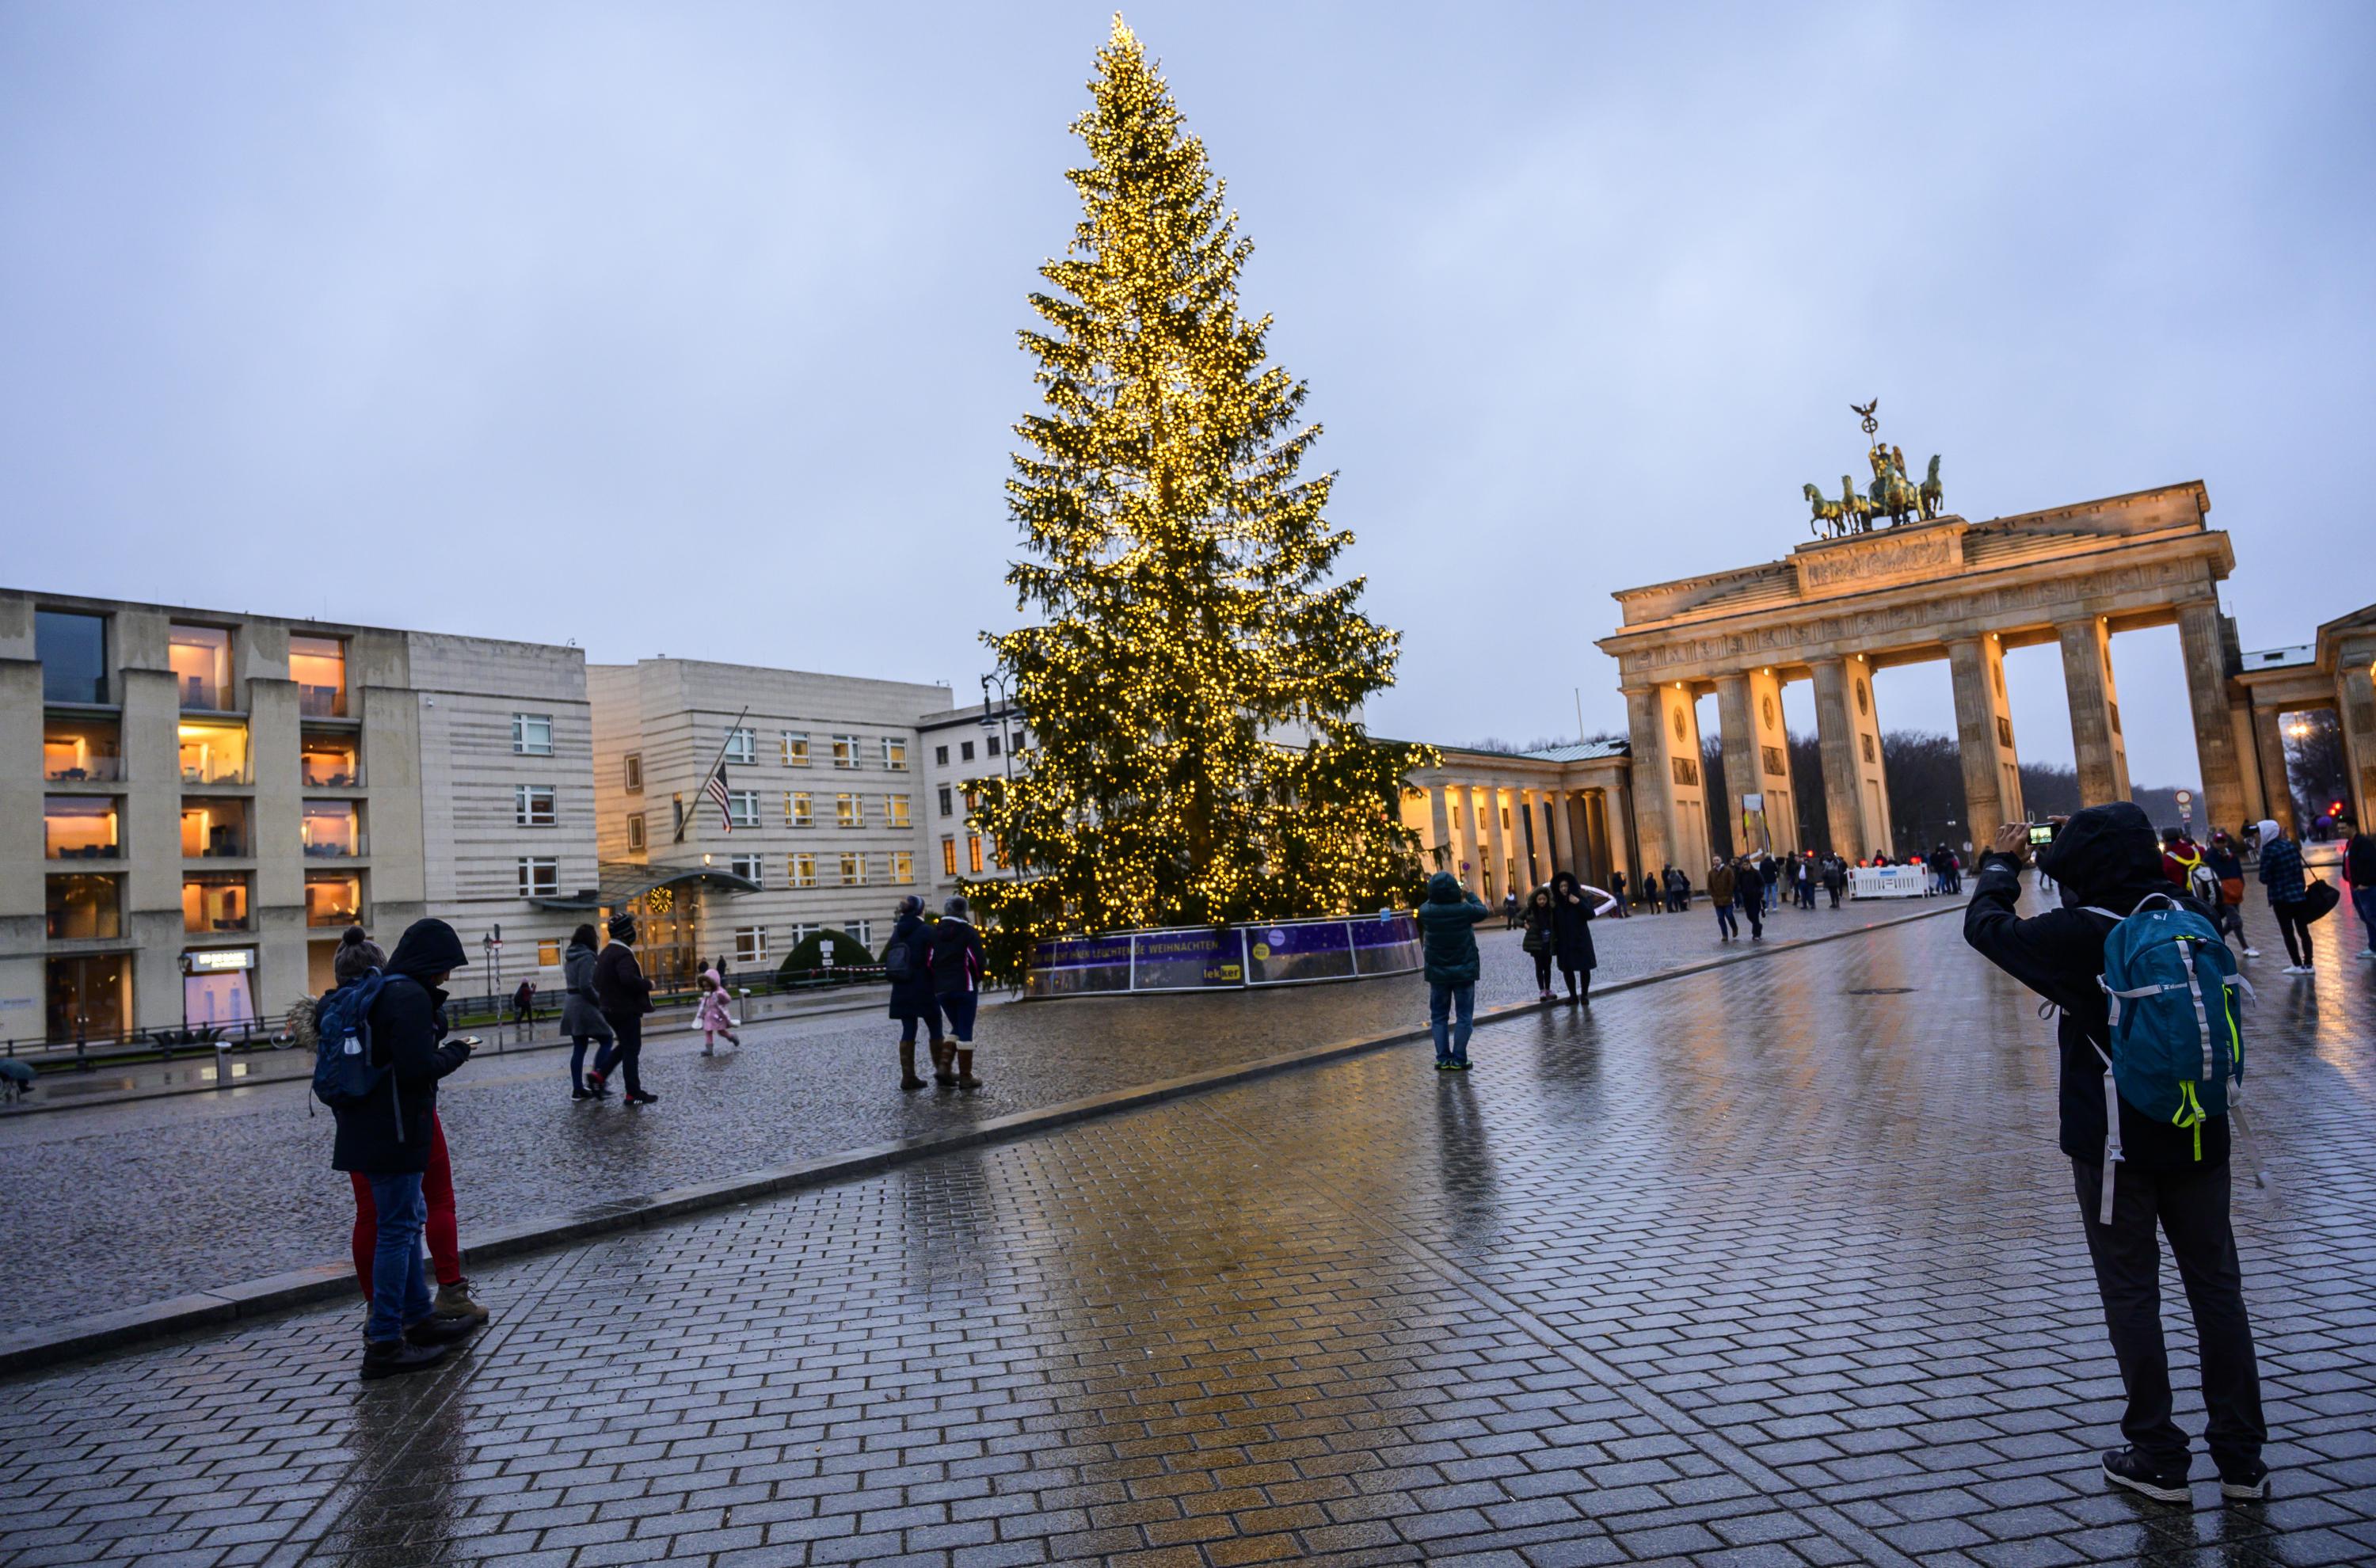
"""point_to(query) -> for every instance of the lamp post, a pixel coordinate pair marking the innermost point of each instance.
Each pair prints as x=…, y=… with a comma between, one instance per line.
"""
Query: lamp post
x=997, y=720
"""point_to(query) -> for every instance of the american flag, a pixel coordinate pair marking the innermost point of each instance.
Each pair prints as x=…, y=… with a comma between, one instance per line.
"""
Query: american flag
x=716, y=790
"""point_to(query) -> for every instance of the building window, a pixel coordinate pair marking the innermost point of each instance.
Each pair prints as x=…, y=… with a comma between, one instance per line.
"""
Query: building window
x=853, y=869
x=973, y=853
x=944, y=800
x=973, y=803
x=330, y=761
x=948, y=857
x=334, y=900
x=748, y=868
x=849, y=811
x=940, y=756
x=798, y=933
x=742, y=807
x=73, y=651
x=895, y=755
x=200, y=657
x=965, y=751
x=903, y=866
x=317, y=666
x=79, y=827
x=991, y=745
x=82, y=906
x=78, y=751
x=750, y=944
x=90, y=996
x=796, y=748
x=540, y=876
x=330, y=829
x=860, y=932
x=210, y=904
x=804, y=871
x=635, y=832
x=548, y=952
x=635, y=770
x=533, y=805
x=741, y=745
x=895, y=810
x=845, y=751
x=213, y=829
x=532, y=735
x=799, y=809
x=213, y=754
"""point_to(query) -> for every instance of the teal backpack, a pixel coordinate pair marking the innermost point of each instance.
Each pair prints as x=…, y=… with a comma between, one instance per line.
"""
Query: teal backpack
x=2178, y=1054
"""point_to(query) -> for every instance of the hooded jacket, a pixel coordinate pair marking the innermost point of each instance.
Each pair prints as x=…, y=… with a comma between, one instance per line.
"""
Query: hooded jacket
x=579, y=1014
x=2281, y=866
x=1447, y=927
x=1572, y=912
x=912, y=997
x=390, y=1131
x=2108, y=857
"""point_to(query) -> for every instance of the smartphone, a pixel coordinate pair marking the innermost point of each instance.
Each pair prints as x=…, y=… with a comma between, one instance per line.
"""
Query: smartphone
x=2041, y=832
x=469, y=1042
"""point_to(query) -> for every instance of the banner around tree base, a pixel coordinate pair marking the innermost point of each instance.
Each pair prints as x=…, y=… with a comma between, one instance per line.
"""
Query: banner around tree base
x=1226, y=957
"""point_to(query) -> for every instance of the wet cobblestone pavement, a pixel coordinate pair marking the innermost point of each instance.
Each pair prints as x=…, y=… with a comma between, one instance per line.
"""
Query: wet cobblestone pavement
x=1775, y=1265
x=109, y=1207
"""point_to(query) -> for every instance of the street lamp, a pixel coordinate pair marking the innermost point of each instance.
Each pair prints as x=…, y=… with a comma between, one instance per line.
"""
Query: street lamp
x=996, y=719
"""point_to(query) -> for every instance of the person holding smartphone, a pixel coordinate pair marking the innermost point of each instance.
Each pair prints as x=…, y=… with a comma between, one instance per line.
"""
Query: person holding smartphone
x=388, y=1136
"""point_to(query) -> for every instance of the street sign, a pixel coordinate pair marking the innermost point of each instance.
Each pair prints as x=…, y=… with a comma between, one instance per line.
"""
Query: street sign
x=2186, y=805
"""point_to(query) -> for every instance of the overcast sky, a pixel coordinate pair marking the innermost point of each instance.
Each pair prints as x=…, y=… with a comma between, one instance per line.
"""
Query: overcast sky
x=689, y=328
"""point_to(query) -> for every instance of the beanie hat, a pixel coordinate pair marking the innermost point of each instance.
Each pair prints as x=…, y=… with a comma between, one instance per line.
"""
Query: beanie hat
x=356, y=955
x=623, y=927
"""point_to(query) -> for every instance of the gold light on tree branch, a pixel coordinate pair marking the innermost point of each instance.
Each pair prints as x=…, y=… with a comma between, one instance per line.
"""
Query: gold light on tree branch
x=1193, y=689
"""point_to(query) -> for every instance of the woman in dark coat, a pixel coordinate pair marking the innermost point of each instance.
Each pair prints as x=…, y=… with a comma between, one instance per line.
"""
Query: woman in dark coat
x=581, y=1019
x=1573, y=905
x=911, y=991
x=1542, y=939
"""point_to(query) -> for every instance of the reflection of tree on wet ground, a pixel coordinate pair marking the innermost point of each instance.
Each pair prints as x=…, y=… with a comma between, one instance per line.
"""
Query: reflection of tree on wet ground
x=409, y=1439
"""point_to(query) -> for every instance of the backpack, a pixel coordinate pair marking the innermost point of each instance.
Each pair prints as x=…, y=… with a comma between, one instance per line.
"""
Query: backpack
x=2177, y=1054
x=2204, y=882
x=900, y=961
x=343, y=1074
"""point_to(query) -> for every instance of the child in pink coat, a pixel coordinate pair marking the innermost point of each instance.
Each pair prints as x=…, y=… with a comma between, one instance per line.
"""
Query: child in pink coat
x=712, y=1016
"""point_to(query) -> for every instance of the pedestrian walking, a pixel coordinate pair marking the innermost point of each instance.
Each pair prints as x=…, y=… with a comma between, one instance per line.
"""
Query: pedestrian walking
x=524, y=1005
x=908, y=964
x=1769, y=873
x=1617, y=891
x=2281, y=873
x=1748, y=890
x=1836, y=877
x=624, y=996
x=581, y=1019
x=2229, y=867
x=1510, y=910
x=2360, y=873
x=356, y=956
x=958, y=965
x=1802, y=873
x=1722, y=887
x=1540, y=941
x=1447, y=923
x=711, y=1014
x=2164, y=1177
x=386, y=1137
x=1574, y=906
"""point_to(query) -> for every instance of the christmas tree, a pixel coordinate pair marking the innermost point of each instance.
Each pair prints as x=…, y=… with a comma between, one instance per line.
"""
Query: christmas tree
x=1194, y=687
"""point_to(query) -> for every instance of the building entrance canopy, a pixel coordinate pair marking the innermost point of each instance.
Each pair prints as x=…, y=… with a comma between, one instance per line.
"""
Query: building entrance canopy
x=1836, y=609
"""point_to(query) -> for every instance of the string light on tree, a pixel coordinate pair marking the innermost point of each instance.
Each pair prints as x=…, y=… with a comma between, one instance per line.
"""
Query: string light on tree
x=1183, y=570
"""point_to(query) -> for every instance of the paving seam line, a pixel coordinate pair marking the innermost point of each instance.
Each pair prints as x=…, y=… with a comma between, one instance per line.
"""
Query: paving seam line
x=249, y=1299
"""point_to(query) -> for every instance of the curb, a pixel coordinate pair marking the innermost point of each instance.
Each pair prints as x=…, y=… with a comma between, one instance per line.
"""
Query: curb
x=42, y=1349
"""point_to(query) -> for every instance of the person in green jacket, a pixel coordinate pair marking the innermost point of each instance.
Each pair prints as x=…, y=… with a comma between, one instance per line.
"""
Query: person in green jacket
x=1447, y=925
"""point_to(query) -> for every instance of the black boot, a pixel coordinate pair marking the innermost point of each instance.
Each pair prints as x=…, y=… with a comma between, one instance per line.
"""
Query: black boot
x=391, y=1358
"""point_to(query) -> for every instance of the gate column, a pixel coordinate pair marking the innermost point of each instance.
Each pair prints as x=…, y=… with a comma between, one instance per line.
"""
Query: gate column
x=1847, y=727
x=2102, y=755
x=1653, y=818
x=1737, y=728
x=1984, y=736
x=2215, y=729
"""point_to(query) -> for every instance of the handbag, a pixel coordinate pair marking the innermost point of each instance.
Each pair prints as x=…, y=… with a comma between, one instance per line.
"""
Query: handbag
x=2231, y=889
x=1537, y=941
x=2318, y=899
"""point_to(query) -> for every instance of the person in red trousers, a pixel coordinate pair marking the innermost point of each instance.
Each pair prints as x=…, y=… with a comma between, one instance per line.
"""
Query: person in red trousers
x=356, y=955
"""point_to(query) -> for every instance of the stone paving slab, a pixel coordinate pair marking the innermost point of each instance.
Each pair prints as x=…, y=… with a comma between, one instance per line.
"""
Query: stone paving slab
x=1774, y=1265
x=116, y=1206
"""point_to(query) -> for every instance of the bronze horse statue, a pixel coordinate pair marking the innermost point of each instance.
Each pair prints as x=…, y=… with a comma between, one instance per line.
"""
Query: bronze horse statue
x=1828, y=511
x=1933, y=493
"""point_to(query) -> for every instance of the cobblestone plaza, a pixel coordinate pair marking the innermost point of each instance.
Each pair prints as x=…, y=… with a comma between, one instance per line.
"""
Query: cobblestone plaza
x=1772, y=1264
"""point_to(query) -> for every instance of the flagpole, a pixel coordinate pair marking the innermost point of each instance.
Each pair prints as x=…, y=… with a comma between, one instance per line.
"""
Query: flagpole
x=686, y=815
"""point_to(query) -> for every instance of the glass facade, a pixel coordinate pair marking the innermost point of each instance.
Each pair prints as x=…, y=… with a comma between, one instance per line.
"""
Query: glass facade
x=214, y=753
x=79, y=827
x=80, y=750
x=330, y=761
x=73, y=651
x=214, y=903
x=331, y=829
x=201, y=659
x=333, y=898
x=90, y=996
x=214, y=830
x=81, y=908
x=318, y=666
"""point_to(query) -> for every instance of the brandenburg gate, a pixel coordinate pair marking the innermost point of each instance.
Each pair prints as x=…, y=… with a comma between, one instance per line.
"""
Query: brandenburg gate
x=1841, y=607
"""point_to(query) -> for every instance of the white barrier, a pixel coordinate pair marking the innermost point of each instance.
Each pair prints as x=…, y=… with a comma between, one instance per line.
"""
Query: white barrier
x=1886, y=882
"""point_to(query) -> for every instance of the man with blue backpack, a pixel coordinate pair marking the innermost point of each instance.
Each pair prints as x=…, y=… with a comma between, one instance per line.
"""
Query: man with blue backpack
x=381, y=1049
x=2152, y=1057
